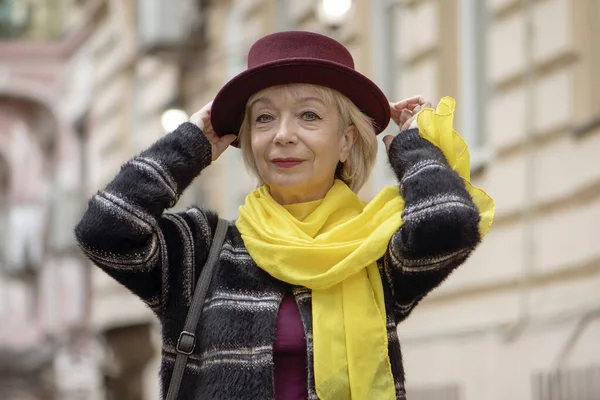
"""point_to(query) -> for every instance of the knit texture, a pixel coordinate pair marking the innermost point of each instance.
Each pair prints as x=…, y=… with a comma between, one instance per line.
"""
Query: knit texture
x=159, y=256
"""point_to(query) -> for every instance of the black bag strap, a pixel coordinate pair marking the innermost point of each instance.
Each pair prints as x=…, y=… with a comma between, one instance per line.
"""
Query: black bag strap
x=187, y=338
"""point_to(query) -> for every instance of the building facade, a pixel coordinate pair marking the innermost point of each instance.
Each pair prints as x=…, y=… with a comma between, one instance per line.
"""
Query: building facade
x=520, y=319
x=46, y=346
x=126, y=82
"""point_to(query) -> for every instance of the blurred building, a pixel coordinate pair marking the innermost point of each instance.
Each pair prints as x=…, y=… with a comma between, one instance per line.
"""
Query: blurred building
x=521, y=319
x=123, y=78
x=87, y=84
x=44, y=333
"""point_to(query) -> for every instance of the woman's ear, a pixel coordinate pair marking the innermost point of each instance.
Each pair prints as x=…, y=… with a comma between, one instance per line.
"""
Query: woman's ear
x=347, y=141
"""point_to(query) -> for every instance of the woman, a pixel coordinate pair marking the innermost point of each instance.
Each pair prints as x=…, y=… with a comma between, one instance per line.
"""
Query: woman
x=311, y=282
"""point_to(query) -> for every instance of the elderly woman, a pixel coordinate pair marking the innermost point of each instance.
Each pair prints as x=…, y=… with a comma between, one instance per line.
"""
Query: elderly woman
x=311, y=282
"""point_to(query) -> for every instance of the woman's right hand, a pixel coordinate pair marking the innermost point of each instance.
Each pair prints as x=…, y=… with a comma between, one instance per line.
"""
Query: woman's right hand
x=201, y=118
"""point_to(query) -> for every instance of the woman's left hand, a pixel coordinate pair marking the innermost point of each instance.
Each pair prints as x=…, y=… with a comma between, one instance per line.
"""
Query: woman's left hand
x=404, y=114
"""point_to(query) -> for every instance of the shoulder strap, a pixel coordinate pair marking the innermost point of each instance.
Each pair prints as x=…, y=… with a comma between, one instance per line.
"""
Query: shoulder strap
x=187, y=339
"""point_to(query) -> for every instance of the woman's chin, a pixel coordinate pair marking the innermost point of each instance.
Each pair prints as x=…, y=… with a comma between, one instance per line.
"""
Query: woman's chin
x=291, y=177
x=287, y=182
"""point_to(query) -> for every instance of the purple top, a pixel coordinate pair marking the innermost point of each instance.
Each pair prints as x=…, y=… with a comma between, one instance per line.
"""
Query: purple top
x=289, y=353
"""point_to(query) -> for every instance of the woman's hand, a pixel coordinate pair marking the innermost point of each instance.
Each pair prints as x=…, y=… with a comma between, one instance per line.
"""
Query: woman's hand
x=201, y=118
x=404, y=114
x=405, y=111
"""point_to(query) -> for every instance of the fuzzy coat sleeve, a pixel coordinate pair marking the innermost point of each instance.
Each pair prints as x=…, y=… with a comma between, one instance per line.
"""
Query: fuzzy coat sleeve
x=125, y=230
x=440, y=222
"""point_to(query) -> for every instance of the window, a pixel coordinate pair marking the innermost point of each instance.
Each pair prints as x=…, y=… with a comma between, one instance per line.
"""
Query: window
x=386, y=68
x=446, y=59
x=586, y=22
x=474, y=85
x=24, y=251
x=388, y=65
x=31, y=19
x=162, y=25
x=7, y=28
x=408, y=61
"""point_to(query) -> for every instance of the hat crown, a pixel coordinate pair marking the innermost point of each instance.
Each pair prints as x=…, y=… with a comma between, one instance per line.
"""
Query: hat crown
x=297, y=57
x=292, y=45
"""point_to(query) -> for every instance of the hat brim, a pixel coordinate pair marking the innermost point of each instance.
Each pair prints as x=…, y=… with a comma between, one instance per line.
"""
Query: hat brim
x=229, y=105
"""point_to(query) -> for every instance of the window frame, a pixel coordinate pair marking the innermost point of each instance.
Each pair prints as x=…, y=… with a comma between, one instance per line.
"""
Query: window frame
x=473, y=94
x=474, y=20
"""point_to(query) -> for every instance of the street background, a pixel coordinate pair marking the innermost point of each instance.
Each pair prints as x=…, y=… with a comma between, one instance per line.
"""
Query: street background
x=86, y=84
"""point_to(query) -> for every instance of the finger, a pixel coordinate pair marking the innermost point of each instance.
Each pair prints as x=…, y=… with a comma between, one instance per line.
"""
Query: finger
x=211, y=135
x=207, y=107
x=419, y=104
x=395, y=115
x=410, y=102
x=226, y=140
x=406, y=125
x=196, y=119
x=230, y=138
x=400, y=105
x=405, y=115
x=415, y=107
x=417, y=100
x=208, y=129
x=422, y=107
x=222, y=144
x=387, y=140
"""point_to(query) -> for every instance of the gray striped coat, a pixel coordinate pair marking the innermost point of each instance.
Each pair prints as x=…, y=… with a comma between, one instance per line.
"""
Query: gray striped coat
x=159, y=255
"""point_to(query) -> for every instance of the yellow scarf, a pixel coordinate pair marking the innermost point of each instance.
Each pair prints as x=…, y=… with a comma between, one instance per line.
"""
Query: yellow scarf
x=334, y=252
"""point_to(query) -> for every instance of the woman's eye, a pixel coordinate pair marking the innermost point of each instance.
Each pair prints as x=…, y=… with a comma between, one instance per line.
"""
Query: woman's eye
x=310, y=116
x=264, y=118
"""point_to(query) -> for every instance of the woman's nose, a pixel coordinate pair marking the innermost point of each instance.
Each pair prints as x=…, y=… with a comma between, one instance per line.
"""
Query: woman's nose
x=286, y=132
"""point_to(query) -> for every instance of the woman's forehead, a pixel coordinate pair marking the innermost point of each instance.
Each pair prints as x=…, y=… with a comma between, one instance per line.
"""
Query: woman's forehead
x=290, y=92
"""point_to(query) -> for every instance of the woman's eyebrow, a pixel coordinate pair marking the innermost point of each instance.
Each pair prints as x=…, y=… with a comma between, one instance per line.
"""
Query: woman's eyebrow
x=310, y=98
x=305, y=99
x=260, y=100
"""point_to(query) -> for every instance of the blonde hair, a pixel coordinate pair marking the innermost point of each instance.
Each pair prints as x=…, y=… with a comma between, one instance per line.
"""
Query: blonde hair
x=357, y=168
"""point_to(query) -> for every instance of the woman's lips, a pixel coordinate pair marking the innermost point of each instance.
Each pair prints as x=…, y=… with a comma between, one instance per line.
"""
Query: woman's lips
x=286, y=162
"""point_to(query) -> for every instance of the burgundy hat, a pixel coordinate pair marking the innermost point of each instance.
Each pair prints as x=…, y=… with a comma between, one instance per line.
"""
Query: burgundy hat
x=297, y=57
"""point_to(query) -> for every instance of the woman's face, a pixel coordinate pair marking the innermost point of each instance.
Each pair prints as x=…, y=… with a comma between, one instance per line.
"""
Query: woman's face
x=296, y=142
